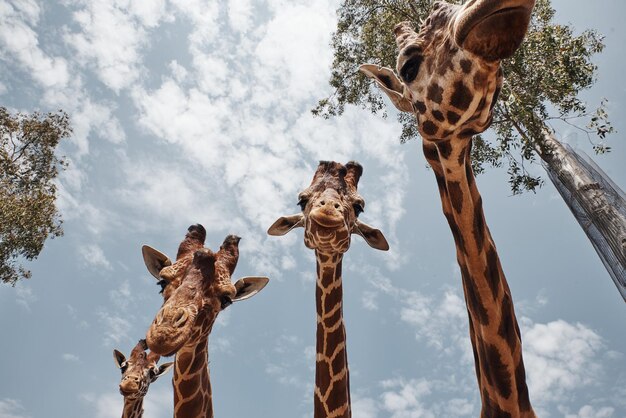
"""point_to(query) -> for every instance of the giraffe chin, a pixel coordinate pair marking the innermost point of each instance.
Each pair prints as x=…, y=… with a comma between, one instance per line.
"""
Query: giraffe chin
x=166, y=342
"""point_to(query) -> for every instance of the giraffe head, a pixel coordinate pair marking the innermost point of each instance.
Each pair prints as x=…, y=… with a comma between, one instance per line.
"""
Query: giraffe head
x=449, y=71
x=139, y=370
x=197, y=287
x=330, y=209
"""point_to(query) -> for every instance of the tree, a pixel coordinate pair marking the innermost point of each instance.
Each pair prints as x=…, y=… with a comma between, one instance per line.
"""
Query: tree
x=28, y=168
x=541, y=88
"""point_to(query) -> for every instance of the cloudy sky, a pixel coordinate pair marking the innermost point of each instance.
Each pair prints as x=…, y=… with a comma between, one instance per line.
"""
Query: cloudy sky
x=189, y=111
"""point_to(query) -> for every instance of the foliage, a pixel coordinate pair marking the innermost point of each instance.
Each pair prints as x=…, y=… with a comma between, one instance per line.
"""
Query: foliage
x=28, y=167
x=542, y=81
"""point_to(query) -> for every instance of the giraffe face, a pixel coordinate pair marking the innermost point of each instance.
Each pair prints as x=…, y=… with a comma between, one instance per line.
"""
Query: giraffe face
x=138, y=371
x=449, y=71
x=200, y=288
x=330, y=209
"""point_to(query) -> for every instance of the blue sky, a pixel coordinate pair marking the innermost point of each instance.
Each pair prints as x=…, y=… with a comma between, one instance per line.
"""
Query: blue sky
x=198, y=111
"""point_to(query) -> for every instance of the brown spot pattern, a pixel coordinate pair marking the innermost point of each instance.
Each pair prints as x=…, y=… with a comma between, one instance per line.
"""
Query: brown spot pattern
x=478, y=227
x=497, y=370
x=474, y=302
x=438, y=115
x=444, y=148
x=456, y=195
x=435, y=93
x=429, y=127
x=491, y=409
x=453, y=117
x=466, y=66
x=492, y=271
x=461, y=97
x=507, y=324
x=420, y=106
x=522, y=390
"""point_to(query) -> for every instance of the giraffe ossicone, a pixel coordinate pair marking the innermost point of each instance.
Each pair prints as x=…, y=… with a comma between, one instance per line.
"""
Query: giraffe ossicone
x=196, y=288
x=330, y=209
x=449, y=77
x=138, y=372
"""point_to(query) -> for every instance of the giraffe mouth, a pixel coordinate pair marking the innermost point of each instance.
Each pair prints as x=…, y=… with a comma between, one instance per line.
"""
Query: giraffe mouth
x=166, y=340
x=130, y=394
x=327, y=220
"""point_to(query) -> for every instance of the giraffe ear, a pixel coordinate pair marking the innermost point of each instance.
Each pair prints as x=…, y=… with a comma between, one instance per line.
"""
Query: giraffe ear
x=372, y=236
x=155, y=260
x=119, y=358
x=161, y=370
x=285, y=224
x=389, y=82
x=248, y=287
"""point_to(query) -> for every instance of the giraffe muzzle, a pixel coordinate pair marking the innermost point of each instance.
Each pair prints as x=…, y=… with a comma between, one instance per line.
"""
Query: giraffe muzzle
x=492, y=29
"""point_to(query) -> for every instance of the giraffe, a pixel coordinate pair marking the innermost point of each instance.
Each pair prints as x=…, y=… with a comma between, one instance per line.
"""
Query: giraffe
x=196, y=288
x=330, y=210
x=450, y=78
x=137, y=373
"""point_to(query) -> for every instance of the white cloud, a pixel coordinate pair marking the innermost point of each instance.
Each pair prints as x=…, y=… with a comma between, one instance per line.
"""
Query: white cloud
x=404, y=399
x=71, y=208
x=368, y=299
x=289, y=357
x=589, y=411
x=93, y=256
x=293, y=54
x=560, y=357
x=178, y=71
x=111, y=37
x=24, y=296
x=21, y=41
x=240, y=14
x=364, y=407
x=204, y=17
x=72, y=358
x=11, y=408
x=116, y=328
x=149, y=12
x=29, y=10
x=159, y=403
x=121, y=296
x=106, y=405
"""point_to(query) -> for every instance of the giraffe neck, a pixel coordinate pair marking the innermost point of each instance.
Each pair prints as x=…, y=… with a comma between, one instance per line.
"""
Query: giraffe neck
x=133, y=408
x=493, y=327
x=332, y=381
x=192, y=385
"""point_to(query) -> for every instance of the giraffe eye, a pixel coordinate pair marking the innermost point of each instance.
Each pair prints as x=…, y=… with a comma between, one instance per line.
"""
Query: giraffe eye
x=163, y=283
x=123, y=367
x=225, y=301
x=358, y=209
x=409, y=70
x=302, y=203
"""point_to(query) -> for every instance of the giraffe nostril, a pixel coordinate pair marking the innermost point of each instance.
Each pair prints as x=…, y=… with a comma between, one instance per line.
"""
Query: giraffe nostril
x=159, y=318
x=336, y=205
x=181, y=318
x=323, y=202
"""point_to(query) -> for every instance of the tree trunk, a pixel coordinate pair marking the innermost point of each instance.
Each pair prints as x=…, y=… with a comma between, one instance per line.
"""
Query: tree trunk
x=597, y=203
